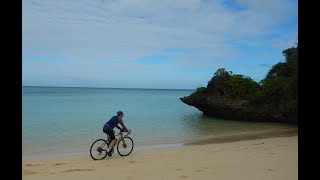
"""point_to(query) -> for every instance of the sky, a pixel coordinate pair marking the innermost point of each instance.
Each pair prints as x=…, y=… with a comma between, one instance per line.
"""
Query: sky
x=167, y=44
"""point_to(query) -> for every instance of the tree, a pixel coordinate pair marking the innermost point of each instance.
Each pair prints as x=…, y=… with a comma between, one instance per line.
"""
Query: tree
x=239, y=86
x=281, y=81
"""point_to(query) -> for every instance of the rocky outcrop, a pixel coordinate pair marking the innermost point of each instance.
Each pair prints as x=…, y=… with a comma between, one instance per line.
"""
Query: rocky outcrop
x=227, y=108
x=237, y=97
x=214, y=101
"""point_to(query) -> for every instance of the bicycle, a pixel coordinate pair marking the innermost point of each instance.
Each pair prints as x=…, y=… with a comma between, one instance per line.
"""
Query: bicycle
x=124, y=146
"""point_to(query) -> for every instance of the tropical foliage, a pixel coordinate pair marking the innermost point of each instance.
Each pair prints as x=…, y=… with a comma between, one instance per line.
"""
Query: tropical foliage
x=280, y=83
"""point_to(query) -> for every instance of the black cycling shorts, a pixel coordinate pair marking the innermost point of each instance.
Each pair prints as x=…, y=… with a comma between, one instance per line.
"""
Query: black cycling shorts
x=110, y=133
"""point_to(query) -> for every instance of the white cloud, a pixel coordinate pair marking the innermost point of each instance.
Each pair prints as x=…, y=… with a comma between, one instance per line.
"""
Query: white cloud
x=284, y=42
x=126, y=30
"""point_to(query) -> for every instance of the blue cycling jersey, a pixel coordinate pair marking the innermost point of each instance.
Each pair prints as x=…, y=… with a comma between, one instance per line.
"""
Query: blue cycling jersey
x=113, y=122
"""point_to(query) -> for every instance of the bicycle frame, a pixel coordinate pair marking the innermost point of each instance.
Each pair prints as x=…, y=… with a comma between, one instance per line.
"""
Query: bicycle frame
x=121, y=137
x=120, y=134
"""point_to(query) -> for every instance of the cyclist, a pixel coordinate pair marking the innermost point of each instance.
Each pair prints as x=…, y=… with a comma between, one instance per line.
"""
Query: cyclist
x=110, y=125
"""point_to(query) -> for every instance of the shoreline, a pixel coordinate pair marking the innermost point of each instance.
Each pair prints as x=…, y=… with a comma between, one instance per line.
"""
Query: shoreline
x=213, y=139
x=267, y=157
x=243, y=136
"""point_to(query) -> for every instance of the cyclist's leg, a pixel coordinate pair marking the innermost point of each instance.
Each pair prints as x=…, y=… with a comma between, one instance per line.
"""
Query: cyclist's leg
x=112, y=138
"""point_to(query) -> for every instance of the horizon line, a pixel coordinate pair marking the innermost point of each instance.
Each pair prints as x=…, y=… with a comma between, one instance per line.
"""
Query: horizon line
x=104, y=87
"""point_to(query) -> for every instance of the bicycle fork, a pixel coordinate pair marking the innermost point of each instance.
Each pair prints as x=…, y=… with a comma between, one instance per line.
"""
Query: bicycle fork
x=124, y=142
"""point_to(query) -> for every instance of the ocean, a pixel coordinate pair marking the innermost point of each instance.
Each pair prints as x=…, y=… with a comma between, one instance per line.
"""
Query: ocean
x=59, y=121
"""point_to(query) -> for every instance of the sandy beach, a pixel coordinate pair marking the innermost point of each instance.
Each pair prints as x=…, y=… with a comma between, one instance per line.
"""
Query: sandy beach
x=273, y=157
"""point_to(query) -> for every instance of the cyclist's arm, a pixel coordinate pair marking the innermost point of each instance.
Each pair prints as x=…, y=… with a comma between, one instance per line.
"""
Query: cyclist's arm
x=118, y=127
x=123, y=126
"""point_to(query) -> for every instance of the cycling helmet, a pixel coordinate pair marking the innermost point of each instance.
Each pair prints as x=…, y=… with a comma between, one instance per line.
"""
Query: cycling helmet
x=120, y=113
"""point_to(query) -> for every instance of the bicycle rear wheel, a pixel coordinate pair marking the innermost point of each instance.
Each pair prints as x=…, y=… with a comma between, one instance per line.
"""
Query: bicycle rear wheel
x=98, y=149
x=125, y=146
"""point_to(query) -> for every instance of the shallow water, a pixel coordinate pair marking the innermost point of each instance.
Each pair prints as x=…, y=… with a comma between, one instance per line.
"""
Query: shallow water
x=68, y=120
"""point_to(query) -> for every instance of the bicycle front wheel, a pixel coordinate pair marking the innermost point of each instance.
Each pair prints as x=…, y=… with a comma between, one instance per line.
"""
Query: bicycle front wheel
x=125, y=146
x=98, y=149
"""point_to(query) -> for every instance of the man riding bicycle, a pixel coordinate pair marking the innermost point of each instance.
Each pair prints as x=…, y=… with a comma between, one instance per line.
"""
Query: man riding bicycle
x=110, y=125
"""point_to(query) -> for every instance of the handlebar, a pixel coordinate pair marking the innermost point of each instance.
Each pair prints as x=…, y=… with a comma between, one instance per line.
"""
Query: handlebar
x=128, y=132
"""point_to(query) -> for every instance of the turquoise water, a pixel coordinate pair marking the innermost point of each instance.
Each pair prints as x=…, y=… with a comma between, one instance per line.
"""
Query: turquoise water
x=67, y=120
